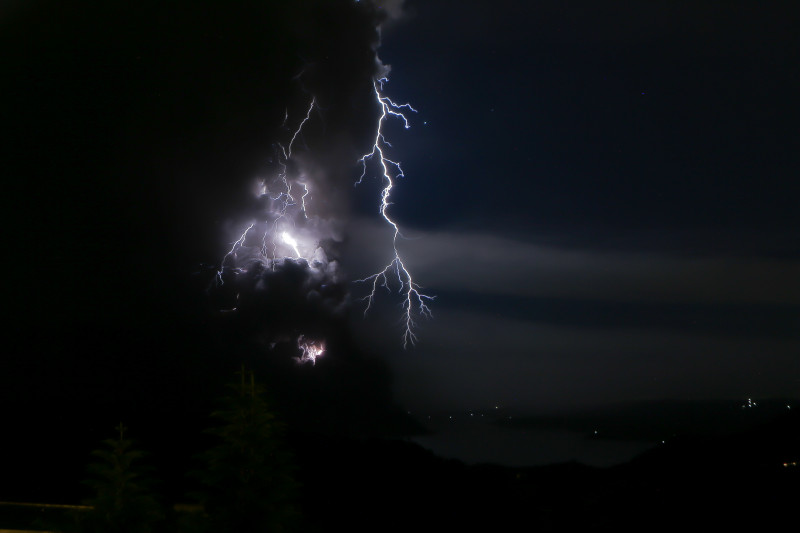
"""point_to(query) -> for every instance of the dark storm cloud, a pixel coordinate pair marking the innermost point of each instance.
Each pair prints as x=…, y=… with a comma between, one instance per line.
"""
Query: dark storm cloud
x=553, y=327
x=393, y=9
x=286, y=299
x=490, y=263
x=328, y=126
x=138, y=131
x=479, y=359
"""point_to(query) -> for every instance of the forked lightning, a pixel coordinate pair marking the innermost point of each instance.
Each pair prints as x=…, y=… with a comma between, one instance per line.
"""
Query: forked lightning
x=414, y=302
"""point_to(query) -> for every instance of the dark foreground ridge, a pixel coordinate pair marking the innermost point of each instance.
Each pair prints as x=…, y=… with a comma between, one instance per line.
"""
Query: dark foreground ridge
x=750, y=479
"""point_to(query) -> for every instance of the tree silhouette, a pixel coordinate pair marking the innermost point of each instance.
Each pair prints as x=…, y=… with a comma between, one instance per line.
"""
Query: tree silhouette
x=123, y=500
x=248, y=475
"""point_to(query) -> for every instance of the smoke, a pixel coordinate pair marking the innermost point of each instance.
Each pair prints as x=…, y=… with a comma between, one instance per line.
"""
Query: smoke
x=393, y=9
x=281, y=273
x=145, y=132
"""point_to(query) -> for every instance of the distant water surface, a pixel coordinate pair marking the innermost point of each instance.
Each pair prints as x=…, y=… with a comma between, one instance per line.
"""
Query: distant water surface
x=478, y=441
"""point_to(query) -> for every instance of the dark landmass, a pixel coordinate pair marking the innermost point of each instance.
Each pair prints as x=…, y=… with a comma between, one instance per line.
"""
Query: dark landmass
x=748, y=479
x=715, y=482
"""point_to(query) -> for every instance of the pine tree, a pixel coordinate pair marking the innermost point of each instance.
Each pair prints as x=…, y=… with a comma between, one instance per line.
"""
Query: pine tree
x=123, y=500
x=248, y=474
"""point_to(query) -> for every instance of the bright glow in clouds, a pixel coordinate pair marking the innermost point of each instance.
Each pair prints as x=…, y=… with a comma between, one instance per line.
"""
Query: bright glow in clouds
x=284, y=239
x=311, y=350
x=281, y=241
x=291, y=242
x=281, y=211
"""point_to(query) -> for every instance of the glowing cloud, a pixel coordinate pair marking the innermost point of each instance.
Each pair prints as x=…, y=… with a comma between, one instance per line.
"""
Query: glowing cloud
x=269, y=245
x=311, y=350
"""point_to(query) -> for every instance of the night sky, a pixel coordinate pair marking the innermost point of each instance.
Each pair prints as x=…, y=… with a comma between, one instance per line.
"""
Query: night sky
x=602, y=197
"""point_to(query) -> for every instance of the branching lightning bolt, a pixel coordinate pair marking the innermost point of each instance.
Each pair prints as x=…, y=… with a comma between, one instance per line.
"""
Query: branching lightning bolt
x=232, y=253
x=284, y=200
x=415, y=302
x=279, y=240
x=287, y=204
x=283, y=206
